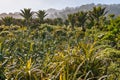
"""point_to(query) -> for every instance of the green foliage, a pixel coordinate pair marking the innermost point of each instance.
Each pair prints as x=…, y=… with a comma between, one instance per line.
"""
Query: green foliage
x=7, y=20
x=97, y=12
x=96, y=16
x=71, y=19
x=41, y=15
x=27, y=15
x=81, y=18
x=56, y=52
x=58, y=21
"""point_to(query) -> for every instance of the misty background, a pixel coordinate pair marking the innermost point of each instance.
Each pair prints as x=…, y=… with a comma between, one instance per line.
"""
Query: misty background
x=55, y=8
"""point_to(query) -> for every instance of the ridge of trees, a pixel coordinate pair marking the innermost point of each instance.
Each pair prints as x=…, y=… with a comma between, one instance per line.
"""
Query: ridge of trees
x=95, y=17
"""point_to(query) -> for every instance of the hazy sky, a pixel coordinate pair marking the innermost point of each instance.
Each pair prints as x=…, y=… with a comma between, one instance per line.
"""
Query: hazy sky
x=16, y=5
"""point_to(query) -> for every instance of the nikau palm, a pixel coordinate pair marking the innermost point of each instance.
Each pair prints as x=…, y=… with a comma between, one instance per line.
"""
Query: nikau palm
x=41, y=14
x=27, y=14
x=81, y=18
x=8, y=20
x=71, y=19
x=97, y=13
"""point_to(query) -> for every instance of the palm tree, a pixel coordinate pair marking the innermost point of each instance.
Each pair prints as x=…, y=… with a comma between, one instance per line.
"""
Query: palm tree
x=71, y=19
x=96, y=14
x=27, y=15
x=7, y=21
x=41, y=15
x=81, y=19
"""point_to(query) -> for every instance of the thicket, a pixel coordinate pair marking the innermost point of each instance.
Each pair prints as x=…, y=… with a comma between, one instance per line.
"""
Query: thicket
x=86, y=46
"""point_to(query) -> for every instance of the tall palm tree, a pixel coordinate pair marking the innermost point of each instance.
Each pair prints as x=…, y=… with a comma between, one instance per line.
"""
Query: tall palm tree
x=27, y=15
x=41, y=15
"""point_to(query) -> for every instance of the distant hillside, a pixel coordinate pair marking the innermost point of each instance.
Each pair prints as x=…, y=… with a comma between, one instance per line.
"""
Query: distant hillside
x=53, y=13
x=112, y=9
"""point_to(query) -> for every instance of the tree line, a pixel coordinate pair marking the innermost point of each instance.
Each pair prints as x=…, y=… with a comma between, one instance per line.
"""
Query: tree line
x=82, y=19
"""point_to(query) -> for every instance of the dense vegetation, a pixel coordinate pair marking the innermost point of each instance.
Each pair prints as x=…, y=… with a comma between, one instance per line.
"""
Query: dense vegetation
x=86, y=46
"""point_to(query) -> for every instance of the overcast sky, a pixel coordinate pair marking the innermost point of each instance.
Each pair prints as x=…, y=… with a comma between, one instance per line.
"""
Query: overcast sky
x=16, y=5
